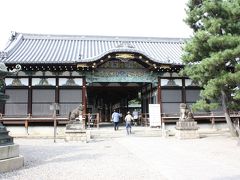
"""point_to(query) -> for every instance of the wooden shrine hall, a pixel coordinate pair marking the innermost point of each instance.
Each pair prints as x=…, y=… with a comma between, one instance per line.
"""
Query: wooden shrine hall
x=102, y=73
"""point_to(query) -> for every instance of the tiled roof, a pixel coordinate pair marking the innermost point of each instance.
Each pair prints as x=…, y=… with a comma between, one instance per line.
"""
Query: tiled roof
x=39, y=48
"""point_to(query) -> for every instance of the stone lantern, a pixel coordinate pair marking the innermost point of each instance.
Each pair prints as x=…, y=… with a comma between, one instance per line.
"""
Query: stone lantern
x=9, y=152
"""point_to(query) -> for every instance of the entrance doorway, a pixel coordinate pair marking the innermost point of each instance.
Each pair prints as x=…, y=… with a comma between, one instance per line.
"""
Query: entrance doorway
x=103, y=98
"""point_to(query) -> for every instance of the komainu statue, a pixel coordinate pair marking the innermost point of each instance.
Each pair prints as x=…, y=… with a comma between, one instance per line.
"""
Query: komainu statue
x=185, y=113
x=76, y=114
x=76, y=128
x=186, y=127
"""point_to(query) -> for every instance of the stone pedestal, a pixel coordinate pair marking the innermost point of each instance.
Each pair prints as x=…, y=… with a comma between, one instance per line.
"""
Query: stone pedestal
x=75, y=125
x=10, y=158
x=187, y=130
x=77, y=135
x=75, y=131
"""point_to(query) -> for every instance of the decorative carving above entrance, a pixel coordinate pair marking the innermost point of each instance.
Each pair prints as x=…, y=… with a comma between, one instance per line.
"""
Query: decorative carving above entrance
x=122, y=75
x=125, y=56
x=119, y=64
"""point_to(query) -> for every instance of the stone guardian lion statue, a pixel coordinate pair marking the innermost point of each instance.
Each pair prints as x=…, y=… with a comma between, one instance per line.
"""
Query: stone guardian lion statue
x=75, y=113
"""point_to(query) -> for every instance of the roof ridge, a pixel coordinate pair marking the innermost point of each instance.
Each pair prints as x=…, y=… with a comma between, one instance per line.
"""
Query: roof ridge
x=103, y=37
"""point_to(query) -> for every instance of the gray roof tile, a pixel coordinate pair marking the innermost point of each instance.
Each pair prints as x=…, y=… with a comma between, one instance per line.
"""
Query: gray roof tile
x=38, y=48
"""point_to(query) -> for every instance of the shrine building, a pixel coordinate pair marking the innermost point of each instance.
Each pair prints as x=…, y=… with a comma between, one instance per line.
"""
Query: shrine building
x=100, y=72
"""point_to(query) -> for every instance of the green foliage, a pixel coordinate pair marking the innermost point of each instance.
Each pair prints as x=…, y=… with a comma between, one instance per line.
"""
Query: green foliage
x=212, y=55
x=204, y=105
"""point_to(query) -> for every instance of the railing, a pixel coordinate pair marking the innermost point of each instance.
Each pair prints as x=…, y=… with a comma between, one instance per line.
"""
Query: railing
x=90, y=119
x=20, y=119
x=212, y=117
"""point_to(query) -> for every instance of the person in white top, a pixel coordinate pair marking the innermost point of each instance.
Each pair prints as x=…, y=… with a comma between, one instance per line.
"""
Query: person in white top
x=128, y=120
x=135, y=117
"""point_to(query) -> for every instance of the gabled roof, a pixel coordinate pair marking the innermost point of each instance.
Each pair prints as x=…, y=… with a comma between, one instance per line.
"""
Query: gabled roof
x=40, y=48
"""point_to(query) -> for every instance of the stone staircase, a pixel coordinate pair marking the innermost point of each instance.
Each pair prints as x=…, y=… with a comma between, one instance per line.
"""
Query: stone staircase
x=136, y=132
x=107, y=131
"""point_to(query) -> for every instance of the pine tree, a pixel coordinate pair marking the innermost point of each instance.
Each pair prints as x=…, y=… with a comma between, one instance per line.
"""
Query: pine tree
x=212, y=55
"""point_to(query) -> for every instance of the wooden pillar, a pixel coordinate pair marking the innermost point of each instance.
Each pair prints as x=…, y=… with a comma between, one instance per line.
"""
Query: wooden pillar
x=98, y=120
x=2, y=105
x=150, y=94
x=110, y=110
x=26, y=123
x=159, y=99
x=144, y=98
x=84, y=92
x=159, y=93
x=142, y=109
x=29, y=110
x=147, y=98
x=57, y=94
x=183, y=91
x=2, y=108
x=89, y=121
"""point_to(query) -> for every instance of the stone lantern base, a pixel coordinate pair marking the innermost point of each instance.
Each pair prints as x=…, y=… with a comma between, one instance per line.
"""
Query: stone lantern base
x=75, y=131
x=10, y=158
x=77, y=135
x=9, y=152
x=187, y=130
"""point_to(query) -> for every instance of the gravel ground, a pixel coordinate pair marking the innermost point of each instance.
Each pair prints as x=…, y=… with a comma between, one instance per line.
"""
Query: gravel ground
x=215, y=157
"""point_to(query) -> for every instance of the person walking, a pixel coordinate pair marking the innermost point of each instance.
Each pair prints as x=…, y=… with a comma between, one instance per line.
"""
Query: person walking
x=116, y=118
x=135, y=117
x=128, y=120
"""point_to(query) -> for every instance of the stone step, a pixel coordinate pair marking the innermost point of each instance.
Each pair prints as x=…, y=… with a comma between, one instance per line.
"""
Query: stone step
x=122, y=133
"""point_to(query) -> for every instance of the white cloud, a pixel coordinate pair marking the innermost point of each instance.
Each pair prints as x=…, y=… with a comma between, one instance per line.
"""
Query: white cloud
x=151, y=18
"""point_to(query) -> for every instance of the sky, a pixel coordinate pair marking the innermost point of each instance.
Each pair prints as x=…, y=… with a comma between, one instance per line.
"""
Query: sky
x=144, y=18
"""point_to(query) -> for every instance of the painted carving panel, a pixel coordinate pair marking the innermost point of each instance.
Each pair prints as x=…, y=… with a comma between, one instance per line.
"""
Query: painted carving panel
x=122, y=75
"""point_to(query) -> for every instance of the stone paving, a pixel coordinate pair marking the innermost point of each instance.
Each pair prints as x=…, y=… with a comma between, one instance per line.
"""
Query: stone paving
x=215, y=156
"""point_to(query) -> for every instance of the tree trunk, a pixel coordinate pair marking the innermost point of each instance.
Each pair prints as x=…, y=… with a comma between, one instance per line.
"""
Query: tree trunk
x=227, y=115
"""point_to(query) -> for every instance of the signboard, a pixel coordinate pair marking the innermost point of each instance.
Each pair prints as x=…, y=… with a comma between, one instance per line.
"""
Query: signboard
x=154, y=115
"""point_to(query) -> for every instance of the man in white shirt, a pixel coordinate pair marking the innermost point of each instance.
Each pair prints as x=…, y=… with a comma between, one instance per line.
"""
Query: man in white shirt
x=128, y=120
